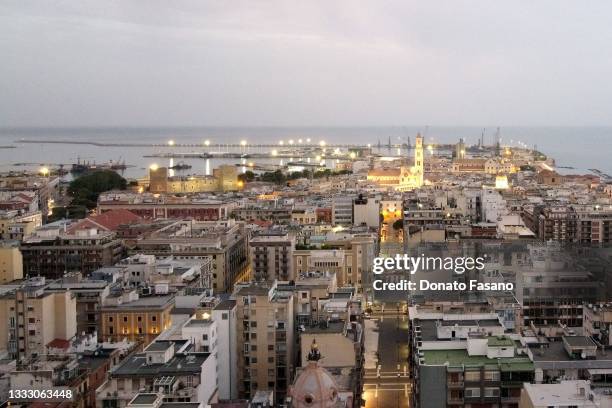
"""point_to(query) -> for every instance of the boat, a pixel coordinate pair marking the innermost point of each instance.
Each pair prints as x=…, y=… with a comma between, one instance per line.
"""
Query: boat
x=180, y=166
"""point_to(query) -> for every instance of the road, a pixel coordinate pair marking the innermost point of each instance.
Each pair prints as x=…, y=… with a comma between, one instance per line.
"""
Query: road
x=389, y=384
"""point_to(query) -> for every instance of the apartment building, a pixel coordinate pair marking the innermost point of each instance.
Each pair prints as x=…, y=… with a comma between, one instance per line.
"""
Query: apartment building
x=460, y=356
x=225, y=315
x=11, y=262
x=342, y=210
x=265, y=337
x=584, y=224
x=366, y=211
x=224, y=242
x=17, y=224
x=51, y=251
x=33, y=317
x=90, y=295
x=135, y=317
x=271, y=254
x=165, y=367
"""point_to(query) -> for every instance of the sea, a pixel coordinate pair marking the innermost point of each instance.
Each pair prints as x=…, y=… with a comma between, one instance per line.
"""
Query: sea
x=575, y=149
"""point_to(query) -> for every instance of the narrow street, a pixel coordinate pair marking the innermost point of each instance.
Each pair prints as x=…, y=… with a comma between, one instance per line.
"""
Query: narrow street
x=387, y=380
x=389, y=384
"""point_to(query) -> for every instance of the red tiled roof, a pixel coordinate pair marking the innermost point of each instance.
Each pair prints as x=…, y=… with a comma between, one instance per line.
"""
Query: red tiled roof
x=59, y=343
x=109, y=220
x=24, y=197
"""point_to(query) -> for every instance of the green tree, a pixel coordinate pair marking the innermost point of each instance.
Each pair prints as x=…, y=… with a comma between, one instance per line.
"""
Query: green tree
x=86, y=189
x=398, y=224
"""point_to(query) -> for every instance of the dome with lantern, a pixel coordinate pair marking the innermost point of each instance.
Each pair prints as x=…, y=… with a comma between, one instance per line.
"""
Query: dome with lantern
x=314, y=387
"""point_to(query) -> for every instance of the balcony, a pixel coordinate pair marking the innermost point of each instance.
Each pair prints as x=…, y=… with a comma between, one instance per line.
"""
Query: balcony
x=455, y=384
x=510, y=399
x=512, y=383
x=454, y=399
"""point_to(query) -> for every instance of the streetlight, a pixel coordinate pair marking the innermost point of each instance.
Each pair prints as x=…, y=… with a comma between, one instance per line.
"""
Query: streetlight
x=290, y=141
x=44, y=171
x=170, y=142
x=322, y=143
x=274, y=152
x=353, y=155
x=153, y=167
x=308, y=140
x=281, y=143
x=207, y=142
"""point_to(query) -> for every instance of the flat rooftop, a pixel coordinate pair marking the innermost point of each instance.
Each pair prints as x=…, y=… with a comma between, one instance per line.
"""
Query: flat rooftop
x=564, y=394
x=137, y=366
x=332, y=327
x=555, y=355
x=159, y=346
x=226, y=304
x=199, y=322
x=461, y=358
x=144, y=302
x=144, y=399
x=579, y=341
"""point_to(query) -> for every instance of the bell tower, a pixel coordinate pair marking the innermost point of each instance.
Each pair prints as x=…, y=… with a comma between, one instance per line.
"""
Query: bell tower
x=418, y=160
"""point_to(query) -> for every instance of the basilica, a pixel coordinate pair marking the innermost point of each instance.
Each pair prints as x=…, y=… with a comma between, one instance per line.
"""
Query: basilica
x=402, y=178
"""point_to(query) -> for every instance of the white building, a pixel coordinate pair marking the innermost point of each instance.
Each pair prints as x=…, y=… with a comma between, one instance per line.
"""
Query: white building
x=224, y=314
x=493, y=205
x=342, y=210
x=576, y=393
x=366, y=211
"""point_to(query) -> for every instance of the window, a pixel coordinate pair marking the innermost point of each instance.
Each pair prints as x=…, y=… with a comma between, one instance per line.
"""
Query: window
x=224, y=316
x=472, y=376
x=491, y=375
x=472, y=392
x=125, y=319
x=153, y=318
x=110, y=319
x=205, y=337
x=491, y=392
x=140, y=318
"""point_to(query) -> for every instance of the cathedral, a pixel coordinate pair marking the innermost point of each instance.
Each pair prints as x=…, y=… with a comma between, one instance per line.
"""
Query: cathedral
x=403, y=178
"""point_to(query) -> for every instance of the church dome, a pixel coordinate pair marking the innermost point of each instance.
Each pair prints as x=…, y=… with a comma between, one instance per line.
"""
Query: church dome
x=314, y=387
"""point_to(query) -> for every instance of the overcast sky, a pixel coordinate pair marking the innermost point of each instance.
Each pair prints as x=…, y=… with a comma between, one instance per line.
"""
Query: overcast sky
x=344, y=63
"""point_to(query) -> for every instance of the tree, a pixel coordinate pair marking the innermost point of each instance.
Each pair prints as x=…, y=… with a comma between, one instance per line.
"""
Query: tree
x=398, y=224
x=86, y=189
x=247, y=176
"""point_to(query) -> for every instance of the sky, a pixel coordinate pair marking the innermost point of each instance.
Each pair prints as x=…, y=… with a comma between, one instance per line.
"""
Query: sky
x=305, y=63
